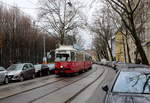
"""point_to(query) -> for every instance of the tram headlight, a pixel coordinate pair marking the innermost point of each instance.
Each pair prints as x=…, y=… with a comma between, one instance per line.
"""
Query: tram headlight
x=61, y=66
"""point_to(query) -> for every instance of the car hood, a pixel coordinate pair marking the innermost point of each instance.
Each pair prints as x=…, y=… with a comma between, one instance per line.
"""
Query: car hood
x=3, y=72
x=14, y=72
x=124, y=98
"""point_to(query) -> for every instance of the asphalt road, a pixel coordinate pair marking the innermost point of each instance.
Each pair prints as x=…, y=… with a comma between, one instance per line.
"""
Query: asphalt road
x=94, y=94
x=58, y=90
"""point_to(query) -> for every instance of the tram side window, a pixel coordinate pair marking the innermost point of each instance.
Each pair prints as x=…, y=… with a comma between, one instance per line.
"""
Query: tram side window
x=88, y=58
x=62, y=57
x=79, y=57
x=72, y=56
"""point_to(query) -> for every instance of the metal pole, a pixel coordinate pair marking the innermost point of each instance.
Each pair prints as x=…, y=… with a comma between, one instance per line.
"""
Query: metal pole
x=44, y=45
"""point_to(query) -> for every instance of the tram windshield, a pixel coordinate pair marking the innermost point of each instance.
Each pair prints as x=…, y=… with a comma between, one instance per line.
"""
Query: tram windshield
x=62, y=57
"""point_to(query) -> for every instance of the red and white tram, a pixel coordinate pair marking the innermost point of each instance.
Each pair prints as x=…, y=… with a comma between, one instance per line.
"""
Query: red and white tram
x=69, y=60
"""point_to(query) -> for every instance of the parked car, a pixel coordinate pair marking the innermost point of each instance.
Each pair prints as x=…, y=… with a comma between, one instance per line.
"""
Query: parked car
x=3, y=76
x=51, y=67
x=38, y=70
x=45, y=69
x=21, y=71
x=41, y=69
x=103, y=61
x=130, y=86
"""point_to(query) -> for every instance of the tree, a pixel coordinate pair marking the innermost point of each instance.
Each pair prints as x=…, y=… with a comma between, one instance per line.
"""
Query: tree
x=103, y=28
x=60, y=17
x=129, y=11
x=22, y=40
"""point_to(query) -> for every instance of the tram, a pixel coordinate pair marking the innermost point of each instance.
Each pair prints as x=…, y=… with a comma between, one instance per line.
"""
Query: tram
x=69, y=60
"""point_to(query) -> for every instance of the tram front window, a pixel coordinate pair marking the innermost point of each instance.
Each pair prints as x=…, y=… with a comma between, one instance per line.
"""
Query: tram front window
x=62, y=57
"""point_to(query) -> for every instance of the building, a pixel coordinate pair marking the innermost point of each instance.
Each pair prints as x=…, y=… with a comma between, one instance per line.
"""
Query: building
x=92, y=53
x=119, y=50
x=122, y=41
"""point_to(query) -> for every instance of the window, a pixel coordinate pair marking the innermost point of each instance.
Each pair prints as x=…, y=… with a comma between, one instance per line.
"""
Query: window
x=30, y=65
x=62, y=57
x=72, y=56
x=80, y=57
x=2, y=69
x=25, y=67
x=132, y=82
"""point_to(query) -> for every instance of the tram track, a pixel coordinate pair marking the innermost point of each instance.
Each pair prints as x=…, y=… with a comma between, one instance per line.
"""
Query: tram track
x=74, y=96
x=63, y=86
x=68, y=100
x=54, y=90
x=31, y=89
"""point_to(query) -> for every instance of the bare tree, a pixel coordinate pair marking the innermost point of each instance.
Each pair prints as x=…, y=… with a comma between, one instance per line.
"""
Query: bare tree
x=129, y=11
x=100, y=47
x=103, y=28
x=21, y=40
x=60, y=17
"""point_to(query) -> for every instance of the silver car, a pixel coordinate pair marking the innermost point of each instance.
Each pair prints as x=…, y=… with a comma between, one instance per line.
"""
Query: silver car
x=3, y=76
x=21, y=71
x=130, y=86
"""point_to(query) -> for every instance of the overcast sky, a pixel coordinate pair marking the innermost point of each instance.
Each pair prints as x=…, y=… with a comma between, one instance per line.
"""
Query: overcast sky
x=29, y=7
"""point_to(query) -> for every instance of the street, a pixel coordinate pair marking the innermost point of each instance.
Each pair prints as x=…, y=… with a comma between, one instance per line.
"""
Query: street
x=54, y=89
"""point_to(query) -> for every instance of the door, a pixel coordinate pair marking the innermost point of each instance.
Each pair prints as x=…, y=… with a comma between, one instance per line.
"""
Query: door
x=25, y=71
x=2, y=74
x=30, y=70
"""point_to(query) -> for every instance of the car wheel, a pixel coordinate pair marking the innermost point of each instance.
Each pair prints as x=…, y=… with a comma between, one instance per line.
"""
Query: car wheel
x=6, y=81
x=21, y=78
x=40, y=74
x=33, y=76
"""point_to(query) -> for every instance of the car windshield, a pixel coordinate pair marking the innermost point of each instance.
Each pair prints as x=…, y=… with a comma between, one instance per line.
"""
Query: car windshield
x=15, y=67
x=2, y=69
x=62, y=57
x=38, y=66
x=132, y=82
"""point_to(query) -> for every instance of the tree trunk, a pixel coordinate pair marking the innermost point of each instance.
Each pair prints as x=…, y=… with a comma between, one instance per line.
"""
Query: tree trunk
x=124, y=49
x=128, y=52
x=110, y=52
x=138, y=44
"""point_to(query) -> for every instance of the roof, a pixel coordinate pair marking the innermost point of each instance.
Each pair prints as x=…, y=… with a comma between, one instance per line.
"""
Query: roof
x=138, y=69
x=65, y=47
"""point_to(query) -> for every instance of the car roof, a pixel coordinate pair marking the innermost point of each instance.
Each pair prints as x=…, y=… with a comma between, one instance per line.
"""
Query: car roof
x=23, y=63
x=138, y=69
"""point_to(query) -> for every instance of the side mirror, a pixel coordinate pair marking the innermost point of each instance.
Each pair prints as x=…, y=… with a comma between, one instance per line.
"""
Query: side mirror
x=114, y=68
x=105, y=88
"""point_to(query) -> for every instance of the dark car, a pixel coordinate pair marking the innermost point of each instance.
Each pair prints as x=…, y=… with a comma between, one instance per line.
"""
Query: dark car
x=21, y=71
x=51, y=67
x=45, y=69
x=41, y=69
x=3, y=75
x=38, y=70
x=130, y=86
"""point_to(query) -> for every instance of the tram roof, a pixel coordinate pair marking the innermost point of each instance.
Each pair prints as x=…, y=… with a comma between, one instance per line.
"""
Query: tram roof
x=64, y=47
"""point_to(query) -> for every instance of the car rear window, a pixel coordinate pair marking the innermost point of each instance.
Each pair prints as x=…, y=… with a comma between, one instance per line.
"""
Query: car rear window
x=132, y=82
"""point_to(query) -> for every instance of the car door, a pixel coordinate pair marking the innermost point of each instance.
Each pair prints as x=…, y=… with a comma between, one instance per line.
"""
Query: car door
x=25, y=71
x=2, y=74
x=30, y=70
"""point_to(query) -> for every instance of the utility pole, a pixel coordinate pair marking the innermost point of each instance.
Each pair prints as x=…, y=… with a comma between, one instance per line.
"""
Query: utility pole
x=44, y=45
x=44, y=56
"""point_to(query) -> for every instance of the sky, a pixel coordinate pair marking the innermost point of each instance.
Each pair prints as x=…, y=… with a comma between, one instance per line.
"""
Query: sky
x=29, y=7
